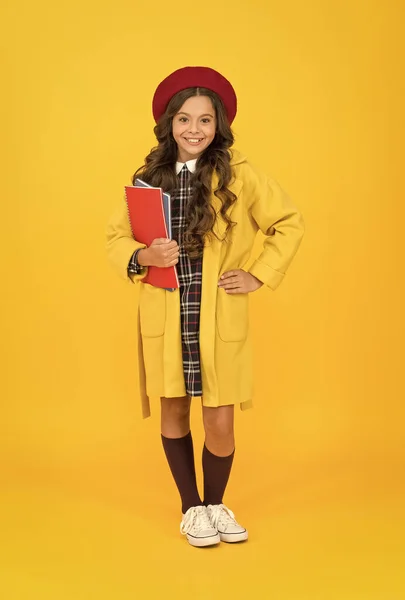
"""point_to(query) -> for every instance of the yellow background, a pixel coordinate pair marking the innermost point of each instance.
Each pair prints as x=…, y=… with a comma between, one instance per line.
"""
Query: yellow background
x=88, y=508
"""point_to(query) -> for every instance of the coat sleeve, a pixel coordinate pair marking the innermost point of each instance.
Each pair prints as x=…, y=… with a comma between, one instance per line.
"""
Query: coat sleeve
x=121, y=244
x=283, y=226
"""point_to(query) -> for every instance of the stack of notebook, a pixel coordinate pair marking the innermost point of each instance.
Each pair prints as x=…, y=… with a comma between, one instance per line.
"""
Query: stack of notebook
x=149, y=212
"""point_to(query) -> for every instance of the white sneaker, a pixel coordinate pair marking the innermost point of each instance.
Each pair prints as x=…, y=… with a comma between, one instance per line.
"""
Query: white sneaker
x=225, y=523
x=196, y=525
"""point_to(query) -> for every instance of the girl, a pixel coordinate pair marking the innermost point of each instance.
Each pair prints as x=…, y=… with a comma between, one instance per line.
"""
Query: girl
x=194, y=342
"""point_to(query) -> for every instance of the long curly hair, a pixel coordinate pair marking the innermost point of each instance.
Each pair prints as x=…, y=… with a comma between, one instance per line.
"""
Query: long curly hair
x=159, y=170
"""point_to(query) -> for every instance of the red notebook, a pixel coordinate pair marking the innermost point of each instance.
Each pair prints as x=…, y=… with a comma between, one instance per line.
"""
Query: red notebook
x=147, y=219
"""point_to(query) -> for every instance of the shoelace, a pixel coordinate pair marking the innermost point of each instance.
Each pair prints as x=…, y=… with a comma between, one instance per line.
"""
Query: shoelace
x=223, y=513
x=196, y=517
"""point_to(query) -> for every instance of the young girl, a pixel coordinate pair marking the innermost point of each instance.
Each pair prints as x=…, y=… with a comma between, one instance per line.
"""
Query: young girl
x=194, y=342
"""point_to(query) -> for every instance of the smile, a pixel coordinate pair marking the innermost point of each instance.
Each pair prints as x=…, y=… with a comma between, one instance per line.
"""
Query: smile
x=194, y=141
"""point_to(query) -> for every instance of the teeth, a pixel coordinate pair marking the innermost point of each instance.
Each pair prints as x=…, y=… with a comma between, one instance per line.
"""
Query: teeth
x=193, y=141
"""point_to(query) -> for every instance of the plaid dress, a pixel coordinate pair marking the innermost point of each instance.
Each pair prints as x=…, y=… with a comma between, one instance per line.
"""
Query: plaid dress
x=190, y=279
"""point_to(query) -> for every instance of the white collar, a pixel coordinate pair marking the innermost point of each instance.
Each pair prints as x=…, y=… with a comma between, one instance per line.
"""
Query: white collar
x=191, y=164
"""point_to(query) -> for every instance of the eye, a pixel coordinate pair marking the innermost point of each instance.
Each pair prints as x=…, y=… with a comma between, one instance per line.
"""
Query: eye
x=205, y=120
x=183, y=119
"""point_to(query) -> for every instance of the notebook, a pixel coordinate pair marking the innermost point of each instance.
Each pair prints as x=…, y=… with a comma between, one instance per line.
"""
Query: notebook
x=147, y=217
x=166, y=205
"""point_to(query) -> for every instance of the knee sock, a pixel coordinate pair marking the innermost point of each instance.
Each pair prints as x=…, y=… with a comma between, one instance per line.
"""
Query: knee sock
x=180, y=456
x=216, y=474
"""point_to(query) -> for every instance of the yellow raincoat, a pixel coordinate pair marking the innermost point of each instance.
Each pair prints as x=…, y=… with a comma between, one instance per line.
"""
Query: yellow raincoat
x=225, y=352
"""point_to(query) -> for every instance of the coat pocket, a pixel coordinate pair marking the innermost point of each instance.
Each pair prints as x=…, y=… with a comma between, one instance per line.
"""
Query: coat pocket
x=152, y=310
x=232, y=316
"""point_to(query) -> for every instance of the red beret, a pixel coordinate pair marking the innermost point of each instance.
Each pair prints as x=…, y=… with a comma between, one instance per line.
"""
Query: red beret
x=188, y=77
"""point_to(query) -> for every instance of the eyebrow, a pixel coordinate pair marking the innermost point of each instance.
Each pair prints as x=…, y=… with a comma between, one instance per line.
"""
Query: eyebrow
x=204, y=115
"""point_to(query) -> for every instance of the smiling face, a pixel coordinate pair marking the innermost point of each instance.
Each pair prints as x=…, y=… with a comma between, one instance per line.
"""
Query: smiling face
x=194, y=127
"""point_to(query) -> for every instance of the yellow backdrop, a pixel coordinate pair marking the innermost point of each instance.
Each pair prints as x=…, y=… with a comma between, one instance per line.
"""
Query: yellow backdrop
x=88, y=506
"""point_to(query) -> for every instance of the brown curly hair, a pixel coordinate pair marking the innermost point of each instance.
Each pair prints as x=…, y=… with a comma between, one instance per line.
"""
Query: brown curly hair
x=159, y=170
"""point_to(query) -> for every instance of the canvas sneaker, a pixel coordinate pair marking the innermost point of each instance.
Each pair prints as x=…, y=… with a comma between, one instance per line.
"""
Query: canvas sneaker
x=225, y=523
x=197, y=527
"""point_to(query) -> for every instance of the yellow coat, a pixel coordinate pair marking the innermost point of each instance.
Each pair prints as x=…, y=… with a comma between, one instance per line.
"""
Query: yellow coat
x=224, y=321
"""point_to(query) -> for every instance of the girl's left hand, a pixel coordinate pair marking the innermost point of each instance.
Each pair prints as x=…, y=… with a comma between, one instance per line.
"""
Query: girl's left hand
x=239, y=282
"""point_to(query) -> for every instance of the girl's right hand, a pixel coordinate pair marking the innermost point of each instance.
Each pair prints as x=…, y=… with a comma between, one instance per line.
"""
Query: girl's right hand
x=161, y=253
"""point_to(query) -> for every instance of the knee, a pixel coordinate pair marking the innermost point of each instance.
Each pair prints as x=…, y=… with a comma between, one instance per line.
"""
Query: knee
x=218, y=424
x=175, y=409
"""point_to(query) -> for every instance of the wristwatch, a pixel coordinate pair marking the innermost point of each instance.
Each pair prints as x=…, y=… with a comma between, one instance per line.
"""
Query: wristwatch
x=134, y=267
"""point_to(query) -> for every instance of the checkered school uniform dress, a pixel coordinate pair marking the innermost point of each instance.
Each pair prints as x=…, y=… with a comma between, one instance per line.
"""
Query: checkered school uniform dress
x=190, y=279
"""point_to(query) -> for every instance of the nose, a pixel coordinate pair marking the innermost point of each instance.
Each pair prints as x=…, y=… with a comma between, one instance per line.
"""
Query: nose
x=194, y=127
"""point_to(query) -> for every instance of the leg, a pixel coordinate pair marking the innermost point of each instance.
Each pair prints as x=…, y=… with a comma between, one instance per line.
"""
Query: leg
x=218, y=456
x=218, y=451
x=175, y=417
x=178, y=447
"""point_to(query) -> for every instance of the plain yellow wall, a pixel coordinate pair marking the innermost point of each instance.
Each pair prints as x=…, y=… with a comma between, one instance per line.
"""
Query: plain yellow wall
x=321, y=96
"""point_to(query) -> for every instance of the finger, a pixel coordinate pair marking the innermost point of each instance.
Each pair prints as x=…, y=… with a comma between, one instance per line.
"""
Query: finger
x=168, y=253
x=231, y=286
x=234, y=279
x=229, y=274
x=236, y=290
x=169, y=259
x=172, y=244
